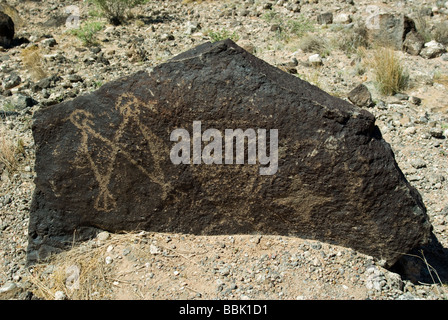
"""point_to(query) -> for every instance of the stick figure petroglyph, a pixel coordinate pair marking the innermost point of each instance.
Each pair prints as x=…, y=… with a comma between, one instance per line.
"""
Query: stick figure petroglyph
x=129, y=108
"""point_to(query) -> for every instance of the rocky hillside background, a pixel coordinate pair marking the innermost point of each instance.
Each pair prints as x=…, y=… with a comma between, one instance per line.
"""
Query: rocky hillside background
x=399, y=73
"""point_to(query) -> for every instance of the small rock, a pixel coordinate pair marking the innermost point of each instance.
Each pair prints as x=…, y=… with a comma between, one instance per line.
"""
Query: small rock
x=418, y=163
x=436, y=133
x=267, y=6
x=315, y=59
x=192, y=27
x=74, y=78
x=11, y=81
x=360, y=96
x=415, y=100
x=401, y=96
x=432, y=49
x=95, y=50
x=108, y=260
x=410, y=130
x=166, y=37
x=59, y=295
x=9, y=286
x=49, y=43
x=413, y=43
x=342, y=18
x=126, y=251
x=325, y=18
x=224, y=271
x=22, y=102
x=103, y=236
x=394, y=281
x=154, y=249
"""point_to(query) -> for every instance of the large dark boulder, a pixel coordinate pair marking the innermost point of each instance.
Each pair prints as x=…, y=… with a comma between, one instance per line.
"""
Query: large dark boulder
x=104, y=161
x=6, y=30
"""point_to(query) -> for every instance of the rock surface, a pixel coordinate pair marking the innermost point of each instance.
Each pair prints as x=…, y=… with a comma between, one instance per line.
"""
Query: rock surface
x=6, y=30
x=103, y=161
x=360, y=96
x=391, y=29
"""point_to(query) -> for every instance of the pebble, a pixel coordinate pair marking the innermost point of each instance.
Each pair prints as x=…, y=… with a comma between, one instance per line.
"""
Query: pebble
x=315, y=59
x=103, y=236
x=60, y=295
x=9, y=286
x=436, y=133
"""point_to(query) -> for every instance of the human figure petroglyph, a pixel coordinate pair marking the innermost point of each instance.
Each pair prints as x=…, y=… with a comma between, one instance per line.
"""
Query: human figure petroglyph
x=129, y=108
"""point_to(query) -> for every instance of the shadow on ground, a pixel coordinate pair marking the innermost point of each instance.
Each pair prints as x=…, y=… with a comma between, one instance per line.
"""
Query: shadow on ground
x=424, y=265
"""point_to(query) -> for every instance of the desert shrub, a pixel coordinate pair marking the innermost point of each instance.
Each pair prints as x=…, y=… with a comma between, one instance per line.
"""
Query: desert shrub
x=315, y=44
x=389, y=73
x=117, y=11
x=10, y=148
x=299, y=26
x=285, y=30
x=350, y=40
x=222, y=35
x=33, y=62
x=87, y=32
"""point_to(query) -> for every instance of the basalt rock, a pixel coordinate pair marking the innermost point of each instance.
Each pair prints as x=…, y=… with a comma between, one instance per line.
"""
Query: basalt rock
x=6, y=30
x=390, y=29
x=144, y=153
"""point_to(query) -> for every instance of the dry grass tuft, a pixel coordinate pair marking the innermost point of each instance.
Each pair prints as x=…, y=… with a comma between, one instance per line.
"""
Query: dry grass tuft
x=10, y=148
x=313, y=43
x=80, y=273
x=32, y=60
x=389, y=73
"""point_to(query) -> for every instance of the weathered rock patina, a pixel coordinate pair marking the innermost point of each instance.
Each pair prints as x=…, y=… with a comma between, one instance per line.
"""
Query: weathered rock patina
x=103, y=161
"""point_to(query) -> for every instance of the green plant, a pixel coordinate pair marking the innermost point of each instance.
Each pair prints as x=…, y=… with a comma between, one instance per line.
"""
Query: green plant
x=299, y=26
x=388, y=71
x=285, y=30
x=349, y=41
x=8, y=106
x=97, y=84
x=222, y=35
x=117, y=11
x=270, y=16
x=87, y=32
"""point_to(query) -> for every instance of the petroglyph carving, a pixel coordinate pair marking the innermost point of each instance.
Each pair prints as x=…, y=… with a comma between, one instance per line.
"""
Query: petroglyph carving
x=129, y=108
